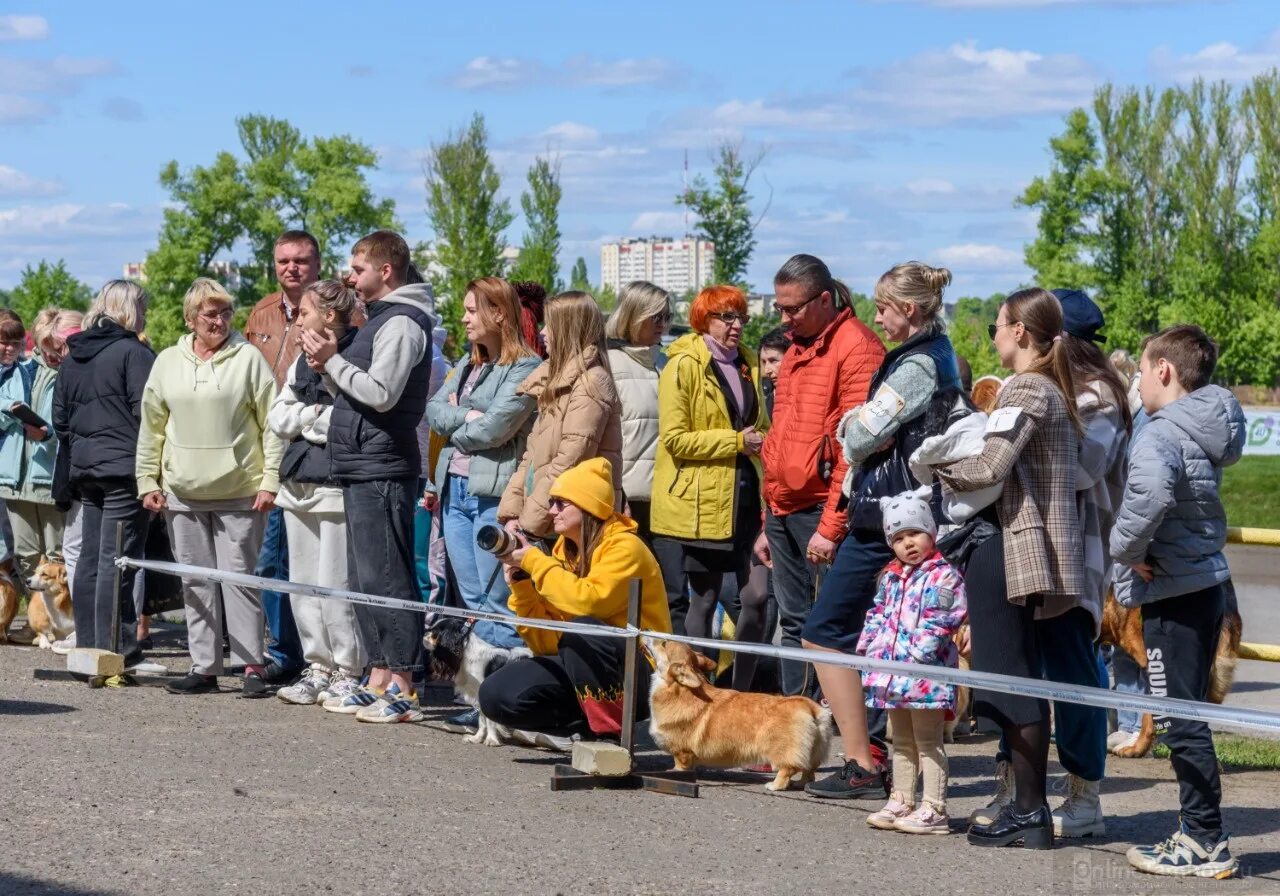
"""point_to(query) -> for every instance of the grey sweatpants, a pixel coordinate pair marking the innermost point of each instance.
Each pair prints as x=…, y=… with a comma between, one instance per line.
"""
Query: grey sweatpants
x=228, y=540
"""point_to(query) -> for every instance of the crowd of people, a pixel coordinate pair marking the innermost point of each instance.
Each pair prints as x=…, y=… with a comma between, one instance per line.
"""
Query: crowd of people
x=836, y=493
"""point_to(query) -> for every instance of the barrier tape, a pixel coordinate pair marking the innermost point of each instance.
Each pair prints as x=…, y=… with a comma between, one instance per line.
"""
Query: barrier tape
x=987, y=681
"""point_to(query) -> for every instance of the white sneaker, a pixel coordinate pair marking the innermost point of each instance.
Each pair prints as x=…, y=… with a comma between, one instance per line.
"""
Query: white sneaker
x=1118, y=737
x=1003, y=797
x=65, y=645
x=1129, y=740
x=307, y=689
x=1182, y=856
x=1080, y=815
x=925, y=820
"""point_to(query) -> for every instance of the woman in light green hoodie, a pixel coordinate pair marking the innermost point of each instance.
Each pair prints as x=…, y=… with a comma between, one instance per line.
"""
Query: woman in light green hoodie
x=207, y=459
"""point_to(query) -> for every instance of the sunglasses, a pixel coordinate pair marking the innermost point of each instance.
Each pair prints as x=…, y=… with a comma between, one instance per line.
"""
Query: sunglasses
x=557, y=505
x=992, y=328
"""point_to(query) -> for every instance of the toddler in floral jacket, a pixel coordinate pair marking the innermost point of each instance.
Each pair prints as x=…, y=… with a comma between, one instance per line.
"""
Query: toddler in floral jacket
x=919, y=606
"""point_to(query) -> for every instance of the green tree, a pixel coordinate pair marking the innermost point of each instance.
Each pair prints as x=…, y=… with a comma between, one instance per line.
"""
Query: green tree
x=970, y=317
x=539, y=254
x=724, y=211
x=47, y=286
x=578, y=279
x=756, y=327
x=282, y=182
x=318, y=186
x=467, y=216
x=606, y=298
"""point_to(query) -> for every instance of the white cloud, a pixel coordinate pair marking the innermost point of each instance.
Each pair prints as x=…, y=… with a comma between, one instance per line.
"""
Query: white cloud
x=14, y=184
x=1220, y=61
x=62, y=74
x=510, y=72
x=15, y=109
x=660, y=223
x=982, y=256
x=95, y=240
x=13, y=28
x=571, y=133
x=966, y=83
x=786, y=115
x=930, y=186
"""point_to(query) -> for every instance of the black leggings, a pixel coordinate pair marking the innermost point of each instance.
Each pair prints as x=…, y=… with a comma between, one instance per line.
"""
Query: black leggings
x=577, y=691
x=1004, y=640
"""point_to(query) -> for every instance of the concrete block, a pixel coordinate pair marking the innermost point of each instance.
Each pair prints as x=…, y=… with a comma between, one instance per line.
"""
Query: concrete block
x=94, y=663
x=601, y=758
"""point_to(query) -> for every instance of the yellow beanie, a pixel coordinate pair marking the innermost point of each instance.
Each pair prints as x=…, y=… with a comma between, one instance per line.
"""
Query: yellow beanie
x=589, y=485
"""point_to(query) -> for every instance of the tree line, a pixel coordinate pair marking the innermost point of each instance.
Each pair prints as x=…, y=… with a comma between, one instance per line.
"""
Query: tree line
x=1164, y=204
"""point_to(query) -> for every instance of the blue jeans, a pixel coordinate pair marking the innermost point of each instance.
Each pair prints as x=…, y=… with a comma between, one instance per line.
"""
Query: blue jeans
x=285, y=648
x=478, y=573
x=1129, y=680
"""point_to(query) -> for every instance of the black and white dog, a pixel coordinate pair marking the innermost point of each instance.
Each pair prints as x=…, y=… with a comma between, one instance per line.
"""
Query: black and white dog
x=459, y=655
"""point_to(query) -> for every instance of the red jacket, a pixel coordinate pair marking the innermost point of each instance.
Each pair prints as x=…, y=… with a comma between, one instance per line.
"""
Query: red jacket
x=816, y=386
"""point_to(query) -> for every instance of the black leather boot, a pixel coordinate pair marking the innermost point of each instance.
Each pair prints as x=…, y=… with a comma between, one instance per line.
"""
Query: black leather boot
x=1033, y=829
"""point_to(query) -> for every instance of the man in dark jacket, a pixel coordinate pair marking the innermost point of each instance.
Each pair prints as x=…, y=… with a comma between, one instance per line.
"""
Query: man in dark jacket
x=380, y=385
x=97, y=403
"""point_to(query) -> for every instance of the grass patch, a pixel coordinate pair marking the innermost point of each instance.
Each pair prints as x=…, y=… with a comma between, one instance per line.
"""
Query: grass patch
x=1251, y=492
x=1235, y=751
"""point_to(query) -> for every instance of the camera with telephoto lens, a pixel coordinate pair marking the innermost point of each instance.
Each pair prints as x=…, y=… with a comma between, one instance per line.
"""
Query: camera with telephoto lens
x=496, y=540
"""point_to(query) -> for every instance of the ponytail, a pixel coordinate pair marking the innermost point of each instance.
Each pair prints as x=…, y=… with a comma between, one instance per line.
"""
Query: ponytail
x=1040, y=313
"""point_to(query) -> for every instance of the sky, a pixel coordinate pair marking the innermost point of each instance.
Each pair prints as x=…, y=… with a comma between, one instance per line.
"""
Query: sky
x=891, y=129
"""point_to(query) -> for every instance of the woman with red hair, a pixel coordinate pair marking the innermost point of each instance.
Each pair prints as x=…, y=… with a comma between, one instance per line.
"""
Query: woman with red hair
x=706, y=481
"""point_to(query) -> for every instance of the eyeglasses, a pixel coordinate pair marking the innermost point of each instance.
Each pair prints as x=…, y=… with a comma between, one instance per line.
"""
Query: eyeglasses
x=215, y=316
x=730, y=317
x=795, y=309
x=662, y=317
x=991, y=328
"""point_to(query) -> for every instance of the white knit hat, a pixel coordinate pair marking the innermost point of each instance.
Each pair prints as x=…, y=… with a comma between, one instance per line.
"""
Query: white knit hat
x=909, y=510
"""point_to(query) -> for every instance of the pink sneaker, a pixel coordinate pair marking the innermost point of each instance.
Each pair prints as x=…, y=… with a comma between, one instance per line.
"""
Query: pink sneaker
x=923, y=821
x=887, y=818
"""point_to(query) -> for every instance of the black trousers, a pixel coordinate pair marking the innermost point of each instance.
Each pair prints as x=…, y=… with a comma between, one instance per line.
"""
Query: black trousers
x=104, y=503
x=380, y=561
x=1182, y=638
x=577, y=691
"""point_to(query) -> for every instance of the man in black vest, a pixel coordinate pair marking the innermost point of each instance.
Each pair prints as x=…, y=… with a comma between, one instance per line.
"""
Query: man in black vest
x=380, y=385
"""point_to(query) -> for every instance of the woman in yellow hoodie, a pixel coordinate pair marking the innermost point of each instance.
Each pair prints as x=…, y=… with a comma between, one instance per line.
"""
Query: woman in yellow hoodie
x=207, y=459
x=573, y=683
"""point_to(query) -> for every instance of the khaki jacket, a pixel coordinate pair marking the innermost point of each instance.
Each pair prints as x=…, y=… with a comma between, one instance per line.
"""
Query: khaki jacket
x=1036, y=458
x=585, y=421
x=269, y=329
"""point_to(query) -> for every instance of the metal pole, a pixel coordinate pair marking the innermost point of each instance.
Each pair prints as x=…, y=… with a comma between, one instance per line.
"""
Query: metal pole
x=627, y=735
x=116, y=589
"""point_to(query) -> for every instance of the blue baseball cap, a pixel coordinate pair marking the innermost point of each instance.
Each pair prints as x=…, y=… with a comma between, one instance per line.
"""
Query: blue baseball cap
x=1081, y=316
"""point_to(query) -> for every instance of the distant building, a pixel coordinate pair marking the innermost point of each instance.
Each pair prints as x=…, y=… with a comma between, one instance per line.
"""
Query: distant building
x=225, y=272
x=135, y=270
x=677, y=265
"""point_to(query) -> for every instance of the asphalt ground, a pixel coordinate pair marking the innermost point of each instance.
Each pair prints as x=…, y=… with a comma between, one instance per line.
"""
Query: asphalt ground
x=140, y=792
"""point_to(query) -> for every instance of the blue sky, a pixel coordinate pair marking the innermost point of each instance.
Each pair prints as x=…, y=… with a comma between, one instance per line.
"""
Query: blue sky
x=894, y=129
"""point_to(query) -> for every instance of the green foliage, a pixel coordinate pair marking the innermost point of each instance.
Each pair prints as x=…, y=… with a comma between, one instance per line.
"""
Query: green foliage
x=1165, y=203
x=467, y=216
x=968, y=332
x=284, y=182
x=541, y=206
x=724, y=211
x=47, y=286
x=1251, y=492
x=606, y=298
x=578, y=276
x=756, y=327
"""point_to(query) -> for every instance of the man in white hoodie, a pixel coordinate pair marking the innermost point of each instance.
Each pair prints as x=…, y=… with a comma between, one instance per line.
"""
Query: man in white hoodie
x=380, y=385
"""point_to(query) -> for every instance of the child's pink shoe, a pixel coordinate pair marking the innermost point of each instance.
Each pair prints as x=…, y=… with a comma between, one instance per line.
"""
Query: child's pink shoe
x=887, y=818
x=923, y=821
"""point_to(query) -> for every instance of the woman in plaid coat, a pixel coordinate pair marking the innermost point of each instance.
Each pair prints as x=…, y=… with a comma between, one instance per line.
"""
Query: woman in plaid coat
x=1022, y=582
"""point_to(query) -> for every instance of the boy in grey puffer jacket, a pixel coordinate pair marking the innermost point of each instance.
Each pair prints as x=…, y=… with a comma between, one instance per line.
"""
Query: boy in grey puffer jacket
x=1167, y=541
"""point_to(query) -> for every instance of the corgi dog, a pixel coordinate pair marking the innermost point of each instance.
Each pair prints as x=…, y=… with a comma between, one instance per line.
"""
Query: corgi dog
x=9, y=597
x=459, y=656
x=49, y=613
x=699, y=724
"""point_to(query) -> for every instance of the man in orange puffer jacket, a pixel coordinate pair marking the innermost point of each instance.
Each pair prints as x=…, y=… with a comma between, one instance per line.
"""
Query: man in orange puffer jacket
x=827, y=371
